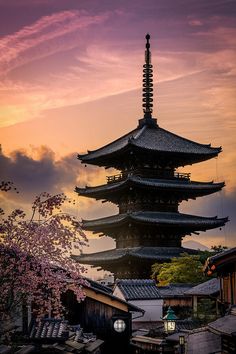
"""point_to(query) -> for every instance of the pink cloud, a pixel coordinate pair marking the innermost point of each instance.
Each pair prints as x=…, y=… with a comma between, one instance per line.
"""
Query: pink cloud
x=44, y=37
x=195, y=23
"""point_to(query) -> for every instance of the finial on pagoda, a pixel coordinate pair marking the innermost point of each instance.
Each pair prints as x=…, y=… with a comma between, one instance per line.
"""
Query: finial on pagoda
x=147, y=81
x=147, y=88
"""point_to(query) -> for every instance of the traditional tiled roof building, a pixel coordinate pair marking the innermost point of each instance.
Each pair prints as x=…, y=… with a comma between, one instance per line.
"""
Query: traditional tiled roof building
x=148, y=191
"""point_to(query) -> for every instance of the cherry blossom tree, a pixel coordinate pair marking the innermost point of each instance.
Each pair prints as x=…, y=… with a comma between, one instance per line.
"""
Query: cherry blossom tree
x=35, y=262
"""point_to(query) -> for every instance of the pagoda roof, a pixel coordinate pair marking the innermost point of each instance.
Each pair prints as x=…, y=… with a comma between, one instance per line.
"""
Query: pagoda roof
x=166, y=219
x=120, y=254
x=177, y=184
x=151, y=139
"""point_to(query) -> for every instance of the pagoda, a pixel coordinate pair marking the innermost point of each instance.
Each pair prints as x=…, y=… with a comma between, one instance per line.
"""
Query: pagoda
x=148, y=190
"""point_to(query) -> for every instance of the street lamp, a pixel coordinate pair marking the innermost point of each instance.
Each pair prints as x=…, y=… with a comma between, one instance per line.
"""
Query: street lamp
x=170, y=321
x=181, y=344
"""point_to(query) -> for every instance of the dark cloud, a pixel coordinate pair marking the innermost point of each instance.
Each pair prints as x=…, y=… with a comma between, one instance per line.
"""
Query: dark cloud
x=44, y=174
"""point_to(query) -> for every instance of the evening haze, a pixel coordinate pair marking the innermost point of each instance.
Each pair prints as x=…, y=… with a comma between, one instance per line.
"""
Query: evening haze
x=71, y=75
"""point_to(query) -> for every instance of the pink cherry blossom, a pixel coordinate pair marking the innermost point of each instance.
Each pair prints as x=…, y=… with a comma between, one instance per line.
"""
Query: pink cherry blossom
x=35, y=256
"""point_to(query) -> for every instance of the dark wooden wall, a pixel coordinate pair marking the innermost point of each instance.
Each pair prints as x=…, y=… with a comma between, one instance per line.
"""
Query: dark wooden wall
x=97, y=317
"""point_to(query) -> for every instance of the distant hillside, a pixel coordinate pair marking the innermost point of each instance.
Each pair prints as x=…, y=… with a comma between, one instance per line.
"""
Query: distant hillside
x=195, y=245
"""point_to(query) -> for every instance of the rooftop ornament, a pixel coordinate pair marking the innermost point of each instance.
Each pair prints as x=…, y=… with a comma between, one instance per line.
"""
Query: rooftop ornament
x=170, y=321
x=147, y=88
x=147, y=82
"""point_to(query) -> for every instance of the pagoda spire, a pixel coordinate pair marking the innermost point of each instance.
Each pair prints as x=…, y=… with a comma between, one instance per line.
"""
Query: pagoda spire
x=147, y=88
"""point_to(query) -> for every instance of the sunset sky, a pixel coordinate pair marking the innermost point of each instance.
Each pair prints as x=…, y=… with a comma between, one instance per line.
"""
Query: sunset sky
x=71, y=74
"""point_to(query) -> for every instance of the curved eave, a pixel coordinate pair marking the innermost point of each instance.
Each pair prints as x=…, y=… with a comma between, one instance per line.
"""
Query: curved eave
x=157, y=141
x=159, y=219
x=221, y=260
x=120, y=255
x=182, y=158
x=191, y=189
x=95, y=155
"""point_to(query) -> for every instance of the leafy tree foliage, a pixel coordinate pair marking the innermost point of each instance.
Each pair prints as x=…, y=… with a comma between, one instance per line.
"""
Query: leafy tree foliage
x=184, y=269
x=35, y=262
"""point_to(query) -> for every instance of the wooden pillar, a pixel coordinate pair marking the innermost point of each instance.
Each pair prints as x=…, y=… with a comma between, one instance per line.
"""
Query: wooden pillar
x=195, y=305
x=217, y=309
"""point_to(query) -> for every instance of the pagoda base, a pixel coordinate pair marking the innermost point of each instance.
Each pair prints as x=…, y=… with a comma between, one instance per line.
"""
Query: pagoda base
x=132, y=263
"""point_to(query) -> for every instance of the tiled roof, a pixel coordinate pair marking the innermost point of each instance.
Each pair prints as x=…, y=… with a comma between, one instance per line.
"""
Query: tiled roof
x=153, y=139
x=138, y=289
x=224, y=325
x=221, y=260
x=174, y=290
x=178, y=220
x=222, y=255
x=49, y=329
x=119, y=254
x=98, y=288
x=209, y=287
x=202, y=341
x=161, y=184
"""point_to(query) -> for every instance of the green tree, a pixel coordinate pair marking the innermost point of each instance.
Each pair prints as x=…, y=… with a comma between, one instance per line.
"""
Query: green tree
x=184, y=269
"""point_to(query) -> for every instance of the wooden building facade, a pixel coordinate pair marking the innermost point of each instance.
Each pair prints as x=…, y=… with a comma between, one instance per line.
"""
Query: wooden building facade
x=224, y=264
x=104, y=314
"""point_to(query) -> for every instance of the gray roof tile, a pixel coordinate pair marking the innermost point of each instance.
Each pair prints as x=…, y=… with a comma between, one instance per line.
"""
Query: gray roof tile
x=224, y=325
x=138, y=289
x=197, y=223
x=118, y=254
x=202, y=341
x=154, y=139
x=209, y=287
x=163, y=184
x=174, y=290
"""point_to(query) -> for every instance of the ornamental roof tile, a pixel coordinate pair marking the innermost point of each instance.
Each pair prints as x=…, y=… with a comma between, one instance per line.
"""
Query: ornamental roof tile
x=138, y=289
x=119, y=254
x=220, y=261
x=157, y=218
x=154, y=139
x=209, y=287
x=223, y=255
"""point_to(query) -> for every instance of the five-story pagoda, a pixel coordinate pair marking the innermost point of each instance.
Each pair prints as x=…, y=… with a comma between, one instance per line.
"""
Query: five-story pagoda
x=148, y=191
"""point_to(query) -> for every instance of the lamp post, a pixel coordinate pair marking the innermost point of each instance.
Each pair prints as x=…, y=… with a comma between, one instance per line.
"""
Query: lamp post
x=170, y=321
x=182, y=344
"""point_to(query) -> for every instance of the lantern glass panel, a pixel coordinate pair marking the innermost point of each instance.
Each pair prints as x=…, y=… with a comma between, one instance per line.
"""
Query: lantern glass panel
x=119, y=326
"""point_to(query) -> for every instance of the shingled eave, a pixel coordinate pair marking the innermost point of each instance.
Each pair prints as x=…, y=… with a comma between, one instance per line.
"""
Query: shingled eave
x=176, y=220
x=209, y=149
x=134, y=139
x=90, y=154
x=220, y=260
x=118, y=255
x=159, y=184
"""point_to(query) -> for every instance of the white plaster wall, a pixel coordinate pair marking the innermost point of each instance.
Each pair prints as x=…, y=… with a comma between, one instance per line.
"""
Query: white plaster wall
x=117, y=292
x=152, y=308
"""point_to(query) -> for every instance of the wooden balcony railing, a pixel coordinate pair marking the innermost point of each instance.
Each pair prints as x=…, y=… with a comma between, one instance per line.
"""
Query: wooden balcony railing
x=116, y=178
x=181, y=175
x=121, y=176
